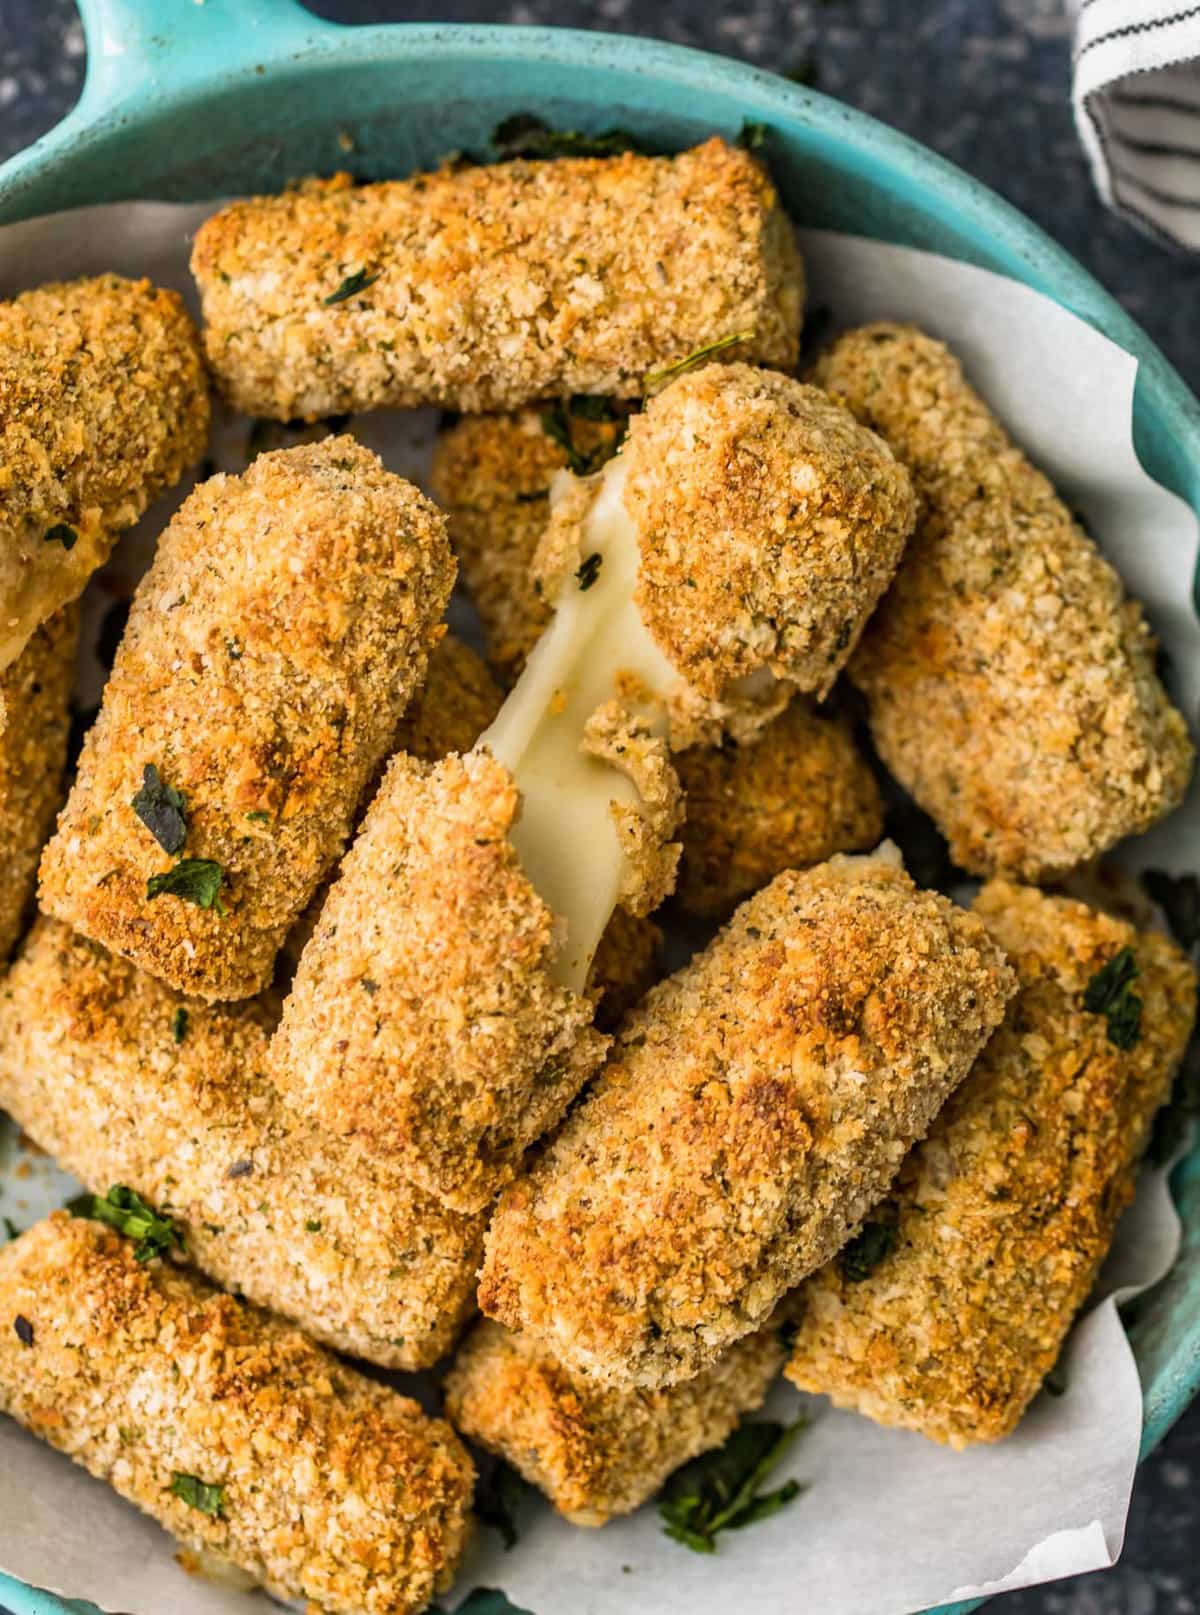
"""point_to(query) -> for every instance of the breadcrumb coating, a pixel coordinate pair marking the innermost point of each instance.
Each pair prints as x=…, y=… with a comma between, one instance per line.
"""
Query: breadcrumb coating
x=122, y=1080
x=238, y=1435
x=1003, y=1215
x=270, y=652
x=769, y=523
x=424, y=1020
x=754, y=1107
x=595, y=1452
x=789, y=798
x=644, y=827
x=103, y=406
x=35, y=693
x=1010, y=679
x=486, y=287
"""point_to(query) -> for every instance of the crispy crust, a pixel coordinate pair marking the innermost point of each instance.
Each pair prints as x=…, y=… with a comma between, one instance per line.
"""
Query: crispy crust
x=424, y=1019
x=1011, y=681
x=1005, y=1213
x=596, y=1453
x=103, y=405
x=754, y=1108
x=335, y=1488
x=96, y=1068
x=769, y=524
x=34, y=711
x=270, y=652
x=496, y=285
x=793, y=797
x=644, y=827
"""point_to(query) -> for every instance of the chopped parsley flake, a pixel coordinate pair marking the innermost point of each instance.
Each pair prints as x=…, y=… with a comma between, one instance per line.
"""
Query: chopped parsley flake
x=121, y=1208
x=589, y=571
x=1109, y=993
x=162, y=809
x=179, y=1026
x=61, y=533
x=720, y=1491
x=350, y=287
x=199, y=1494
x=196, y=880
x=556, y=423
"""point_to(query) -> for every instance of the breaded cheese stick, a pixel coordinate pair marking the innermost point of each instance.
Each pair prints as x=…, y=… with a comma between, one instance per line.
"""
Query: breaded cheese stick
x=754, y=1108
x=1010, y=679
x=485, y=287
x=34, y=696
x=239, y=1436
x=123, y=1081
x=270, y=651
x=103, y=405
x=596, y=1452
x=1002, y=1216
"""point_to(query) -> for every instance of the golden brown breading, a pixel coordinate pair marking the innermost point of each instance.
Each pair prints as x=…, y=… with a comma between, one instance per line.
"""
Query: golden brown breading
x=124, y=1081
x=483, y=288
x=491, y=476
x=626, y=965
x=1004, y=1214
x=754, y=1108
x=1011, y=681
x=103, y=405
x=795, y=795
x=769, y=524
x=35, y=692
x=596, y=1452
x=270, y=652
x=452, y=708
x=424, y=1020
x=227, y=1426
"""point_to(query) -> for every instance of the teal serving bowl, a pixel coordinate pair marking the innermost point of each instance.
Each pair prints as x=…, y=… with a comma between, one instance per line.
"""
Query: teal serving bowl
x=191, y=99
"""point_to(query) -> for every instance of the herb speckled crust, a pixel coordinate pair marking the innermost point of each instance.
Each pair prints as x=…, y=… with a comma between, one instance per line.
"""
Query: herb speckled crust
x=333, y=1488
x=270, y=652
x=1010, y=679
x=103, y=405
x=769, y=523
x=645, y=827
x=754, y=1108
x=595, y=1452
x=424, y=1020
x=492, y=286
x=34, y=696
x=1005, y=1212
x=98, y=1068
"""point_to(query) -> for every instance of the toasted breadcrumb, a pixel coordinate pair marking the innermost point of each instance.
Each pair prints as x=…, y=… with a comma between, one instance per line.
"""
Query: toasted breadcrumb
x=1010, y=679
x=269, y=654
x=594, y=1452
x=424, y=1020
x=1003, y=1215
x=322, y=1484
x=125, y=1081
x=452, y=708
x=34, y=699
x=645, y=828
x=103, y=405
x=485, y=287
x=755, y=1106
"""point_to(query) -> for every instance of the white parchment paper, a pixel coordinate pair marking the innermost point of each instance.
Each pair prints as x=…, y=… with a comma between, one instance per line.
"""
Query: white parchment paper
x=889, y=1523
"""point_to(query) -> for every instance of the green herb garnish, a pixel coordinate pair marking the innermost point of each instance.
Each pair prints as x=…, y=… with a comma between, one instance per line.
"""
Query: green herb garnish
x=121, y=1208
x=162, y=809
x=588, y=571
x=179, y=1026
x=498, y=1496
x=61, y=533
x=350, y=287
x=483, y=1601
x=196, y=880
x=697, y=356
x=1109, y=994
x=1179, y=898
x=1056, y=1382
x=199, y=1494
x=259, y=816
x=719, y=1491
x=526, y=135
x=859, y=1259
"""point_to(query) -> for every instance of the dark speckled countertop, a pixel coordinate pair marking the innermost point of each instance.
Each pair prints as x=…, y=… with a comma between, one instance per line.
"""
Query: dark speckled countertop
x=984, y=82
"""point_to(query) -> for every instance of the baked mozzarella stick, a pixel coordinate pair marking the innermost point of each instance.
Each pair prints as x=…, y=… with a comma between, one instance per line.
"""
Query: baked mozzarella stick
x=35, y=694
x=438, y=1012
x=123, y=1081
x=1010, y=679
x=270, y=652
x=249, y=1444
x=597, y=1452
x=755, y=1107
x=484, y=287
x=995, y=1231
x=103, y=405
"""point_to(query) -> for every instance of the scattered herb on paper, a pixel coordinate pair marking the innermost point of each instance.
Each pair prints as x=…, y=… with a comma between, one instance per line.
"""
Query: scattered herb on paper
x=11, y=1229
x=162, y=809
x=1056, y=1382
x=721, y=1490
x=196, y=880
x=123, y=1209
x=499, y=1493
x=1109, y=993
x=859, y=1259
x=484, y=1601
x=199, y=1494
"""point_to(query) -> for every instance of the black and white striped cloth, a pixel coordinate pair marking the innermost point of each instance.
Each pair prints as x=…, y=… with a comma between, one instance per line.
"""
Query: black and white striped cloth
x=1137, y=105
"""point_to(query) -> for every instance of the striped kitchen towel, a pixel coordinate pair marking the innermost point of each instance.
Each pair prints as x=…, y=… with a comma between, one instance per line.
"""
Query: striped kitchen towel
x=1137, y=105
